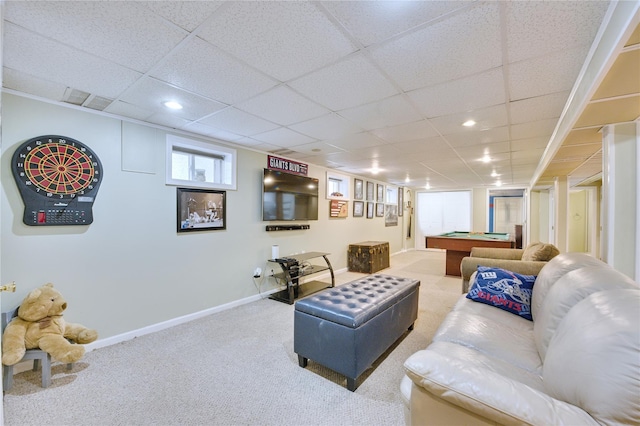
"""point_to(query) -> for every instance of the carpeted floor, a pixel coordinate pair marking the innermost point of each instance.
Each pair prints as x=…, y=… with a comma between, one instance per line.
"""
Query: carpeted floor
x=235, y=367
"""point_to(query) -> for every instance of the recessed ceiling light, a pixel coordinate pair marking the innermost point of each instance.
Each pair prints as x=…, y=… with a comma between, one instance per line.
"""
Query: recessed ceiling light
x=498, y=183
x=469, y=123
x=172, y=105
x=494, y=174
x=407, y=180
x=486, y=159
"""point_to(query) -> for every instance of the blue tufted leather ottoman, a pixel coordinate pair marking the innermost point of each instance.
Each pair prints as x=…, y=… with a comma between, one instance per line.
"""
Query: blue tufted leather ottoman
x=346, y=328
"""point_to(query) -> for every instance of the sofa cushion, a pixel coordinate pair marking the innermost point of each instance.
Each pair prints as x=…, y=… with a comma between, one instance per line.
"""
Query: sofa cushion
x=503, y=289
x=592, y=360
x=491, y=331
x=553, y=270
x=540, y=252
x=567, y=292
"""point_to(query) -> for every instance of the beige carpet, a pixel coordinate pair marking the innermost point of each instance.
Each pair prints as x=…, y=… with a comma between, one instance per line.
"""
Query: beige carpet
x=235, y=367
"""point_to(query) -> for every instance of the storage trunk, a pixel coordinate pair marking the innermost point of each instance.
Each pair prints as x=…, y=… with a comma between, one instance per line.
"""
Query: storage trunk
x=368, y=256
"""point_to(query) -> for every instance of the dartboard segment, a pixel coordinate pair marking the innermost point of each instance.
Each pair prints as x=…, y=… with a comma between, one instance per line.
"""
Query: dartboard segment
x=58, y=178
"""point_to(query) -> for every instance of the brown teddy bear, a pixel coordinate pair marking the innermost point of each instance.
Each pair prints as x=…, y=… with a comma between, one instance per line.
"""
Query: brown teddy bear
x=39, y=324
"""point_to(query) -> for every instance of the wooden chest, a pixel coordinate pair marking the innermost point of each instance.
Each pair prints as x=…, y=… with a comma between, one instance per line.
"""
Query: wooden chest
x=368, y=256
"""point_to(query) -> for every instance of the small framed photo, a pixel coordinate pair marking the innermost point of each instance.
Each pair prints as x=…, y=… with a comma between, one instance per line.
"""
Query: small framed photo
x=358, y=189
x=379, y=209
x=370, y=210
x=400, y=201
x=380, y=198
x=358, y=208
x=201, y=210
x=370, y=191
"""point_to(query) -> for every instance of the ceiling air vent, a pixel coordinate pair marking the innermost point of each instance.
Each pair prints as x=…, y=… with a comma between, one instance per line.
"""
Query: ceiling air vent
x=98, y=102
x=283, y=151
x=74, y=96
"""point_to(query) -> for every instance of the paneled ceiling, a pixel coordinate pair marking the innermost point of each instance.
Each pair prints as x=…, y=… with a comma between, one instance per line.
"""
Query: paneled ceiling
x=377, y=89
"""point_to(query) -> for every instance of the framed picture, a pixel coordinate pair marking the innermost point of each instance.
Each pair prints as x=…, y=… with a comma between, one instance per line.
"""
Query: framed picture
x=391, y=215
x=358, y=189
x=201, y=210
x=380, y=193
x=338, y=208
x=358, y=208
x=370, y=191
x=379, y=209
x=400, y=200
x=369, y=210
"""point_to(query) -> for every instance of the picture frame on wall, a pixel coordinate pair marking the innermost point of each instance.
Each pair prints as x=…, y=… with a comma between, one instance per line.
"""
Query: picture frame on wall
x=201, y=210
x=400, y=201
x=379, y=209
x=391, y=215
x=370, y=210
x=358, y=208
x=358, y=189
x=380, y=198
x=370, y=191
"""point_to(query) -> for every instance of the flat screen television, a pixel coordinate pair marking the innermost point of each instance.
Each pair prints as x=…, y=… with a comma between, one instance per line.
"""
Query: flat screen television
x=286, y=196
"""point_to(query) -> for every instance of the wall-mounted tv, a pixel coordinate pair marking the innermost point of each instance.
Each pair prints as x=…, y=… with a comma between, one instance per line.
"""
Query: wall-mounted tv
x=286, y=196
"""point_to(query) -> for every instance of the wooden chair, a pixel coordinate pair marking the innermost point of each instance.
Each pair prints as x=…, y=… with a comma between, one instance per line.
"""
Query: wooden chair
x=41, y=359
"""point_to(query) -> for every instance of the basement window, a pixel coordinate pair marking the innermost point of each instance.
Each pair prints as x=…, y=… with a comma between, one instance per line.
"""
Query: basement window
x=199, y=164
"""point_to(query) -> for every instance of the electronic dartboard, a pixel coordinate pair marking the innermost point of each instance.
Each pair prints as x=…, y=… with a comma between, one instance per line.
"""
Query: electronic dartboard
x=58, y=179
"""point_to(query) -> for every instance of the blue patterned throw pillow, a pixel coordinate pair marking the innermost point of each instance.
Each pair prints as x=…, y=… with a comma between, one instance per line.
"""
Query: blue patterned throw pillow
x=503, y=289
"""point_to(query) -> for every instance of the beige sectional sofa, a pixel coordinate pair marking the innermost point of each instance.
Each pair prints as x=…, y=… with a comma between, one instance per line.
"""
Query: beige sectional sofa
x=576, y=363
x=529, y=260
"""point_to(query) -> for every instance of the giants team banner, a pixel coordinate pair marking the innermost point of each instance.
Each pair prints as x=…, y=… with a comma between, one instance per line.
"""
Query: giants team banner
x=277, y=163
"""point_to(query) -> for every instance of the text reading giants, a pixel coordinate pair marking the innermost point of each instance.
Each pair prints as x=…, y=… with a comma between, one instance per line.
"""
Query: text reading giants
x=276, y=163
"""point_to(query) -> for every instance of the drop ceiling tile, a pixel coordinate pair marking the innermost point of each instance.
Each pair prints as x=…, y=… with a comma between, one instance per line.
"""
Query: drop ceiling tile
x=481, y=149
x=239, y=122
x=125, y=34
x=204, y=69
x=150, y=94
x=283, y=106
x=530, y=156
x=126, y=109
x=524, y=144
x=345, y=84
x=330, y=126
x=186, y=14
x=223, y=135
x=486, y=118
x=373, y=22
x=392, y=111
x=356, y=141
x=465, y=94
x=26, y=52
x=542, y=75
x=26, y=83
x=534, y=129
x=283, y=137
x=538, y=108
x=405, y=132
x=536, y=28
x=464, y=44
x=283, y=39
x=578, y=151
x=317, y=148
x=167, y=119
x=473, y=137
x=434, y=145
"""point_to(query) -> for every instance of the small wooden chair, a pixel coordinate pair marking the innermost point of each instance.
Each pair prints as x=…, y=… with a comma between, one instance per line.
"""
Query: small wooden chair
x=41, y=359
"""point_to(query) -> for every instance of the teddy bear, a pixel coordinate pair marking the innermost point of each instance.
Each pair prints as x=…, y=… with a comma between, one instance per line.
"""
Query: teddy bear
x=39, y=324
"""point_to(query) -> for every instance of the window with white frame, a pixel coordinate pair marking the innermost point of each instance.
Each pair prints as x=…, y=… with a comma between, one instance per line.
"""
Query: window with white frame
x=392, y=195
x=337, y=186
x=200, y=164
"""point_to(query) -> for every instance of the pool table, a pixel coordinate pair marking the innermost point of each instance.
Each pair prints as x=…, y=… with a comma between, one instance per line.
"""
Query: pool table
x=458, y=245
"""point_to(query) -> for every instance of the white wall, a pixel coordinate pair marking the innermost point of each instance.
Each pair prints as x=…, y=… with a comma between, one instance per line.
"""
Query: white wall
x=130, y=269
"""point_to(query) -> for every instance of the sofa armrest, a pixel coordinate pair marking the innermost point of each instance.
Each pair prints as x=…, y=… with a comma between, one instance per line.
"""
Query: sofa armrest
x=488, y=394
x=497, y=253
x=469, y=265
